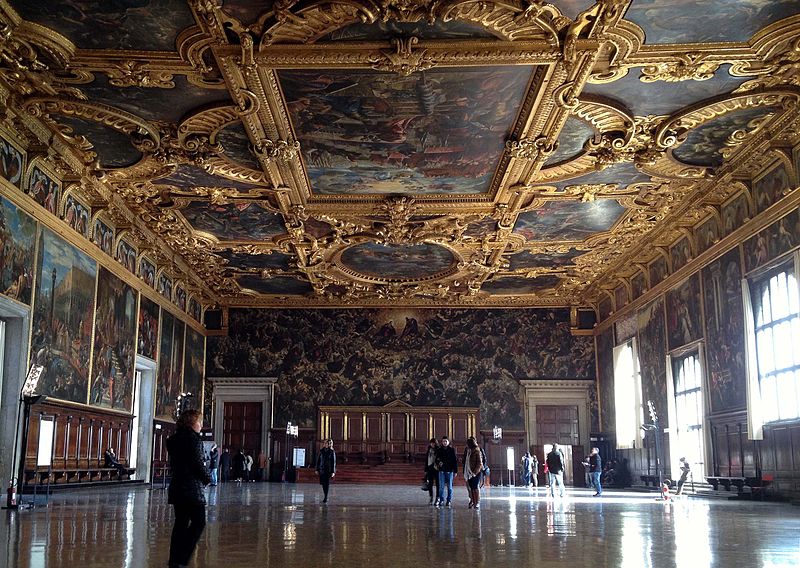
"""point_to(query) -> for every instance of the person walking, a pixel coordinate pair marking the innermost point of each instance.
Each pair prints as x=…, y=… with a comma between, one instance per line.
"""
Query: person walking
x=595, y=464
x=262, y=466
x=555, y=468
x=213, y=465
x=186, y=491
x=431, y=471
x=446, y=456
x=326, y=467
x=248, y=467
x=225, y=465
x=473, y=469
x=239, y=461
x=685, y=471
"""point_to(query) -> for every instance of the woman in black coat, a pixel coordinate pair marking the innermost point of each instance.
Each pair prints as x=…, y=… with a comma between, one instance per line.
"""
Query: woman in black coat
x=186, y=487
x=326, y=467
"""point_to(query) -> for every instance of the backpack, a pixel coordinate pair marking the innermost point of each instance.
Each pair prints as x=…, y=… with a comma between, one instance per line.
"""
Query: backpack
x=486, y=469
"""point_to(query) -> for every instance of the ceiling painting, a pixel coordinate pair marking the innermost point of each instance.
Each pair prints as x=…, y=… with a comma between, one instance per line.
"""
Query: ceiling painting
x=190, y=177
x=243, y=261
x=279, y=286
x=704, y=145
x=441, y=131
x=166, y=103
x=571, y=140
x=422, y=30
x=388, y=262
x=693, y=21
x=244, y=222
x=236, y=145
x=655, y=97
x=564, y=221
x=343, y=153
x=113, y=148
x=129, y=24
x=518, y=285
x=527, y=259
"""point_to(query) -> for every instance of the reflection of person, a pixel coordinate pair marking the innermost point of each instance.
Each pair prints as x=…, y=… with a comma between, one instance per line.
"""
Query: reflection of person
x=186, y=493
x=326, y=467
x=448, y=466
x=473, y=468
x=595, y=464
x=685, y=470
x=555, y=468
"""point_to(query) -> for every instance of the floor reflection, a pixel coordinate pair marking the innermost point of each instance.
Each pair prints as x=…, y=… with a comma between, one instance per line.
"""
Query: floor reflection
x=287, y=526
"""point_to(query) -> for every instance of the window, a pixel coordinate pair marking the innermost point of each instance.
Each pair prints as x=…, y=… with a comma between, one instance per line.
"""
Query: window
x=689, y=440
x=774, y=337
x=627, y=395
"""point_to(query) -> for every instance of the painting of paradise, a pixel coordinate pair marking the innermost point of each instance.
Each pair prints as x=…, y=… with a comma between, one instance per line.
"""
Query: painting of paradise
x=17, y=243
x=114, y=332
x=62, y=318
x=439, y=131
x=193, y=366
x=170, y=366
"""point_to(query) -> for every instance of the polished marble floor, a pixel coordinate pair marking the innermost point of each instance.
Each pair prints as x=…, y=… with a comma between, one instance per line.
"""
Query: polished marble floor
x=286, y=526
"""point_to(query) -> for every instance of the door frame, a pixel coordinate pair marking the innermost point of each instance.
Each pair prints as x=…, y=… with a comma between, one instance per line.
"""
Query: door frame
x=558, y=392
x=243, y=389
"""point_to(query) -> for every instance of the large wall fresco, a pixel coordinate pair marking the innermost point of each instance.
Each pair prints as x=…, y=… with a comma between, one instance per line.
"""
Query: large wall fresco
x=170, y=365
x=724, y=318
x=147, y=344
x=684, y=323
x=605, y=369
x=445, y=357
x=12, y=162
x=652, y=357
x=114, y=345
x=17, y=248
x=62, y=318
x=441, y=131
x=194, y=361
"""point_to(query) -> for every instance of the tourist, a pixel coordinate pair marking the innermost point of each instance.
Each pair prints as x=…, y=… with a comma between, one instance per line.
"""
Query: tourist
x=239, y=461
x=213, y=465
x=431, y=471
x=555, y=468
x=594, y=463
x=535, y=471
x=248, y=467
x=448, y=466
x=685, y=471
x=225, y=465
x=526, y=468
x=110, y=460
x=262, y=466
x=473, y=469
x=186, y=493
x=326, y=467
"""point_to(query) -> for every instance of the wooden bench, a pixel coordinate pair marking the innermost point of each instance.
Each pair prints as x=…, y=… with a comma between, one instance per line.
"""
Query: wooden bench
x=77, y=475
x=649, y=479
x=726, y=482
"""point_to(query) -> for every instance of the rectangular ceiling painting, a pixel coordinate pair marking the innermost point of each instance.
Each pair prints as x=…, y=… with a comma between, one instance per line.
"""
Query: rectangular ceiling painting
x=434, y=132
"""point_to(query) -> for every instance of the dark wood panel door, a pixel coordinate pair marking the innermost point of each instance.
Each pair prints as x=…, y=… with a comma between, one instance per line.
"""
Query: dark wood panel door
x=557, y=424
x=242, y=424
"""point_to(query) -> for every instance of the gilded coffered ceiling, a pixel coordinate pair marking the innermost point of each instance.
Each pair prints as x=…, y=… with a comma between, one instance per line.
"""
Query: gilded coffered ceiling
x=400, y=152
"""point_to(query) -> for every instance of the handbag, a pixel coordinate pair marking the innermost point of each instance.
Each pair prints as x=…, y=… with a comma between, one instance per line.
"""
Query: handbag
x=425, y=486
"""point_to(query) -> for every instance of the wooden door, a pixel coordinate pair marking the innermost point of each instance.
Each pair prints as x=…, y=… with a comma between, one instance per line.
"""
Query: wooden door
x=242, y=426
x=559, y=424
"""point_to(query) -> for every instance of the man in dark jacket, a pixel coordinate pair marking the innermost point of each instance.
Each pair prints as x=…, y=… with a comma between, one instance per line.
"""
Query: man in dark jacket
x=326, y=467
x=225, y=465
x=446, y=457
x=186, y=488
x=595, y=465
x=555, y=468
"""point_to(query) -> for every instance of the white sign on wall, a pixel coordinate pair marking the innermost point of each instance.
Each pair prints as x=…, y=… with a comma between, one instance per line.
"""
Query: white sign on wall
x=299, y=457
x=510, y=462
x=46, y=428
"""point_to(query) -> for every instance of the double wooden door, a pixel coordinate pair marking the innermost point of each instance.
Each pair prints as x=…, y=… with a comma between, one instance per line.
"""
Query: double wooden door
x=241, y=427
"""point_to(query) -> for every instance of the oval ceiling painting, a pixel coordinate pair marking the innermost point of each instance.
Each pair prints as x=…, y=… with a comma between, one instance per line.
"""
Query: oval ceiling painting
x=397, y=262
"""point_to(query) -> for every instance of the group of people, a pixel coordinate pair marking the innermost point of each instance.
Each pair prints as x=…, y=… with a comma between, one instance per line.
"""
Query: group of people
x=237, y=467
x=441, y=467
